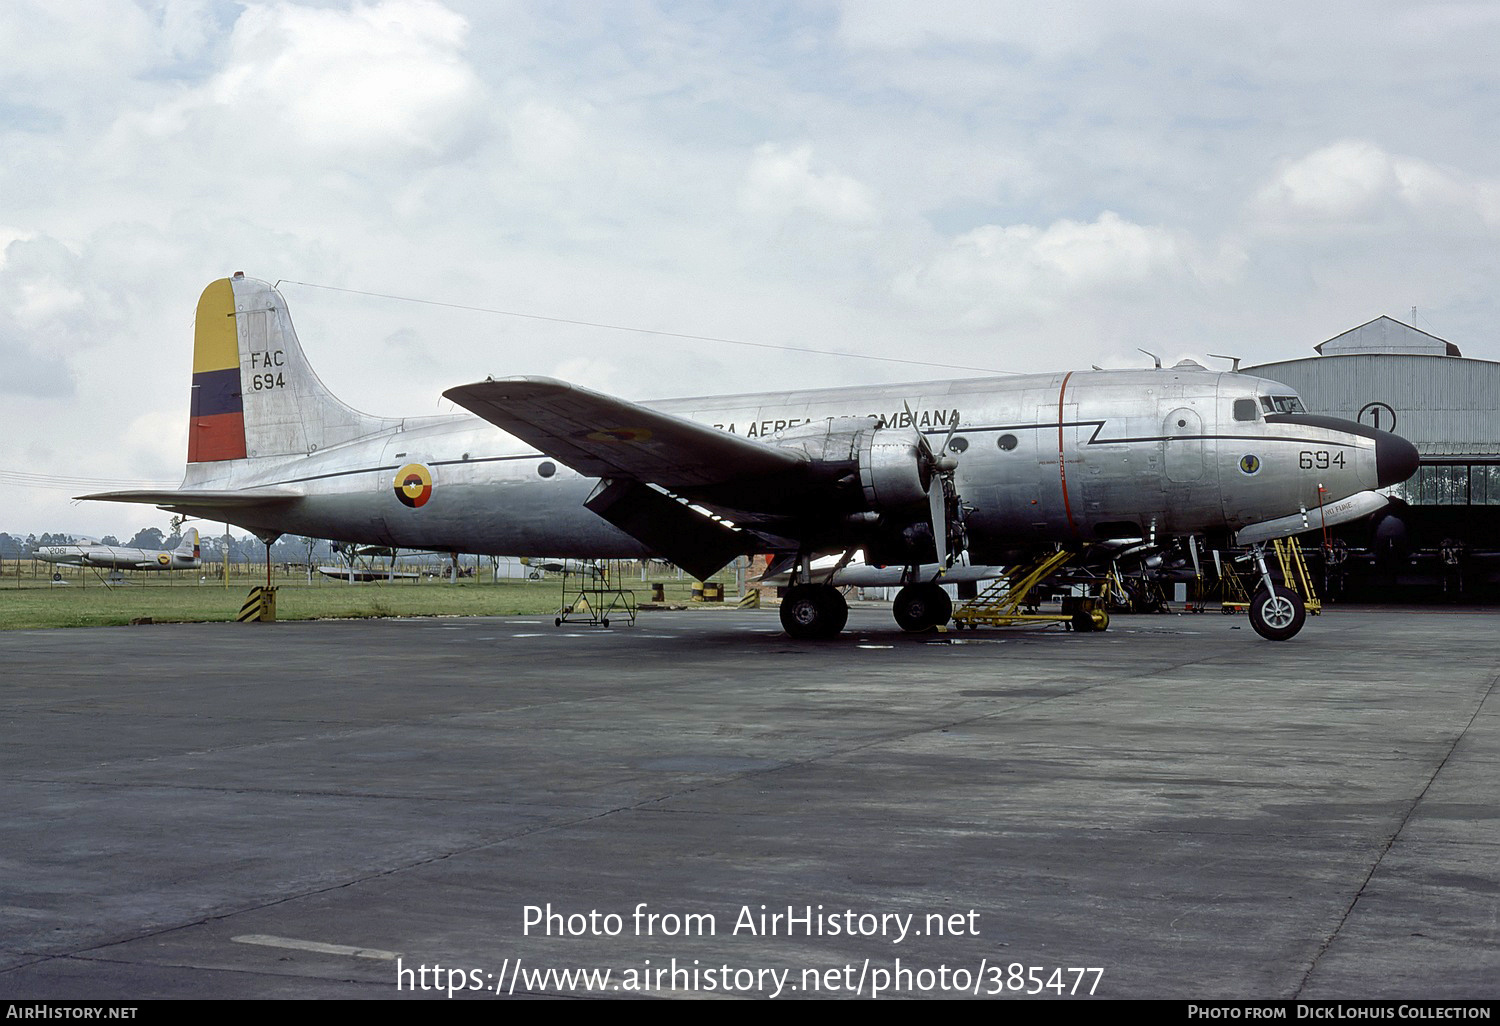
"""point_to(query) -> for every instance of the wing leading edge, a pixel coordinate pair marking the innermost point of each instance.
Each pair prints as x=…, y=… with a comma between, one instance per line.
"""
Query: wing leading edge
x=647, y=461
x=601, y=436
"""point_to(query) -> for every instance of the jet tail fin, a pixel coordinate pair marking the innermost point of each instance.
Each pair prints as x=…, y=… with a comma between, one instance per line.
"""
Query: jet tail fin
x=188, y=548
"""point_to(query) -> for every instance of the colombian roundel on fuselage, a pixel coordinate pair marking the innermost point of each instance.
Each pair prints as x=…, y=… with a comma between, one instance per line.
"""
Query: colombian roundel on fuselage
x=413, y=485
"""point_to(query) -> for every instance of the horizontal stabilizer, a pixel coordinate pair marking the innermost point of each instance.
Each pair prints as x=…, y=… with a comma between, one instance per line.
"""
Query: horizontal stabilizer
x=202, y=498
x=601, y=436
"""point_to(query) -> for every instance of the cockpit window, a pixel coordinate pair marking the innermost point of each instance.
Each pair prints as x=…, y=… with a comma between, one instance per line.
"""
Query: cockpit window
x=1244, y=409
x=1282, y=404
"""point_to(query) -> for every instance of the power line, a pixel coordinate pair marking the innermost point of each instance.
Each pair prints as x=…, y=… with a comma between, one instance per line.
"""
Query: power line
x=646, y=331
x=65, y=483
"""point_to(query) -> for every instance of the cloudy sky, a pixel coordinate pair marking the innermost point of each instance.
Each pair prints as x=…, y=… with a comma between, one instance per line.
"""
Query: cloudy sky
x=987, y=184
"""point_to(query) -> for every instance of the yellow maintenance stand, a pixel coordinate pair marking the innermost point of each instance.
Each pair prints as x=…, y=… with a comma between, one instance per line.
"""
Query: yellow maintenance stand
x=1008, y=603
x=598, y=598
x=1294, y=573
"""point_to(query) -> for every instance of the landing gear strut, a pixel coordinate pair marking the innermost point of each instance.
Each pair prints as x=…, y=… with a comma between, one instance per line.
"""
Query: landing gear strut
x=1276, y=612
x=921, y=607
x=813, y=611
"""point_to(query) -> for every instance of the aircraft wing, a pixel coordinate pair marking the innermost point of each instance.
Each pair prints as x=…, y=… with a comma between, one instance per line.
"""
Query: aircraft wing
x=601, y=436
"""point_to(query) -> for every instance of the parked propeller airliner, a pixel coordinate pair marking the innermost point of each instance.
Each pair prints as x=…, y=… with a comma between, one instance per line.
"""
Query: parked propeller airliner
x=906, y=474
x=118, y=557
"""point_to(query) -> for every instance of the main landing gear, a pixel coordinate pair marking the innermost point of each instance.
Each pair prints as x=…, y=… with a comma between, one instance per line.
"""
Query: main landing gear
x=816, y=611
x=921, y=607
x=813, y=611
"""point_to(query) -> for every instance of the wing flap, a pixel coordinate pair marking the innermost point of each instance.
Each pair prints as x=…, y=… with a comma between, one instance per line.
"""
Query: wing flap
x=601, y=436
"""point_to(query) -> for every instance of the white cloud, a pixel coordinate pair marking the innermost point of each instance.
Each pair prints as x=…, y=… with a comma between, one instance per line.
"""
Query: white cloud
x=49, y=312
x=988, y=273
x=381, y=76
x=781, y=182
x=1355, y=183
x=545, y=137
x=61, y=47
x=1060, y=26
x=376, y=82
x=1341, y=182
x=153, y=444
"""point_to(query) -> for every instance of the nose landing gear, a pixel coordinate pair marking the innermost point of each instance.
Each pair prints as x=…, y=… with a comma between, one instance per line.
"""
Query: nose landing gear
x=1277, y=613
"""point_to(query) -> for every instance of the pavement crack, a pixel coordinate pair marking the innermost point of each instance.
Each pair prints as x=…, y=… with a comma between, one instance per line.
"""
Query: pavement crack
x=1390, y=842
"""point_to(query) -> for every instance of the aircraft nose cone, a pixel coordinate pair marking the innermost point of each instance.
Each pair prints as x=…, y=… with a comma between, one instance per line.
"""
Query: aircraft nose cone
x=1395, y=459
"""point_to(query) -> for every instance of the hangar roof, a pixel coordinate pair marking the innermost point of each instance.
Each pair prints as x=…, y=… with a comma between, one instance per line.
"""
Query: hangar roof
x=1387, y=335
x=1391, y=376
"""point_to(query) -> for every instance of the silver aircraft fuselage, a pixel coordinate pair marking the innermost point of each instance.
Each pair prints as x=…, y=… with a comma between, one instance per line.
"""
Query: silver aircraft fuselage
x=1080, y=456
x=908, y=475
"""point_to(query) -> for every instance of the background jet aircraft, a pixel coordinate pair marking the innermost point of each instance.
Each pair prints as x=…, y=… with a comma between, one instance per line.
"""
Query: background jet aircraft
x=577, y=567
x=909, y=474
x=116, y=557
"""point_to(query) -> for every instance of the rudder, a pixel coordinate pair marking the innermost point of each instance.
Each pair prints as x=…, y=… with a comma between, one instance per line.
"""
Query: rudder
x=216, y=418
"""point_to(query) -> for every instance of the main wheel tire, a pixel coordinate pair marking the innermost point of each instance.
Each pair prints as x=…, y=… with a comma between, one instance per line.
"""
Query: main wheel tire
x=1277, y=614
x=813, y=611
x=921, y=607
x=838, y=610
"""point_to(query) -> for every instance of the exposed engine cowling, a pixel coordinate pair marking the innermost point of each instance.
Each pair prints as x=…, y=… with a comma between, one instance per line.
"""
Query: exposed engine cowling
x=871, y=467
x=899, y=495
x=895, y=468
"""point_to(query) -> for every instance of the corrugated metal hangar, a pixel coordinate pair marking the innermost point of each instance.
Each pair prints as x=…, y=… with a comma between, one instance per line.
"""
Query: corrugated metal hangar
x=1442, y=534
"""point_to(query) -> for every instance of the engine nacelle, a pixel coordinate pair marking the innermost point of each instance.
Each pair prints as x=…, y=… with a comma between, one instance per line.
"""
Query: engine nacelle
x=871, y=467
x=887, y=480
x=895, y=467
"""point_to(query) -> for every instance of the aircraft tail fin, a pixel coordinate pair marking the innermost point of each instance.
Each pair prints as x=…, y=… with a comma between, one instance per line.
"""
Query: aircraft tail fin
x=189, y=548
x=254, y=393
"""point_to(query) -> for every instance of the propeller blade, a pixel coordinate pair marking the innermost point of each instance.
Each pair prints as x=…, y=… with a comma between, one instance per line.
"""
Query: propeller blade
x=935, y=466
x=938, y=507
x=952, y=429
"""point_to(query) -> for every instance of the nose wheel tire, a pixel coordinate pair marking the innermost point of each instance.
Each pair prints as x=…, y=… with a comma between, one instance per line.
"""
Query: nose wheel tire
x=921, y=607
x=1277, y=614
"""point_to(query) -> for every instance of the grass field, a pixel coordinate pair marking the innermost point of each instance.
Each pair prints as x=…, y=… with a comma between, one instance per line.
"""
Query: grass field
x=30, y=600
